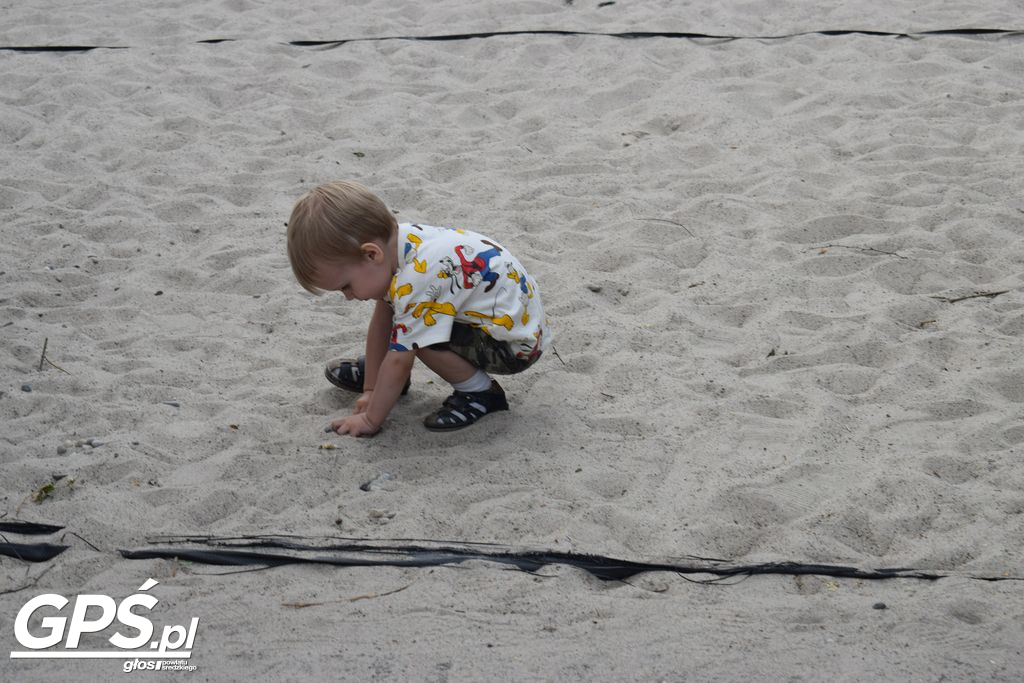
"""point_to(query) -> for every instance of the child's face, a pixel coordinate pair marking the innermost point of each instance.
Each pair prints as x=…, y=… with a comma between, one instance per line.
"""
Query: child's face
x=365, y=278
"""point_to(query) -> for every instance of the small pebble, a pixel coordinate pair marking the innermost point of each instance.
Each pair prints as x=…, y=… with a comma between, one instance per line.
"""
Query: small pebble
x=79, y=443
x=878, y=605
x=173, y=404
x=69, y=445
x=26, y=387
x=61, y=450
x=377, y=482
x=596, y=289
x=94, y=442
x=381, y=516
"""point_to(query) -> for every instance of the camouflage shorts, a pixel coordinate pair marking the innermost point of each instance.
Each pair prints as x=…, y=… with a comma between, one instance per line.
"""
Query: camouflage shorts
x=484, y=351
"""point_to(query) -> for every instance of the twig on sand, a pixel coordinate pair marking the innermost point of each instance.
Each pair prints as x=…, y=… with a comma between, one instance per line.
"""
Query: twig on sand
x=303, y=605
x=52, y=364
x=871, y=249
x=378, y=595
x=30, y=584
x=236, y=571
x=84, y=540
x=555, y=351
x=44, y=359
x=976, y=295
x=665, y=220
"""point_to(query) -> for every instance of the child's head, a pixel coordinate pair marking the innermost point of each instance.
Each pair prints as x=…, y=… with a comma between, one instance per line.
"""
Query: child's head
x=331, y=223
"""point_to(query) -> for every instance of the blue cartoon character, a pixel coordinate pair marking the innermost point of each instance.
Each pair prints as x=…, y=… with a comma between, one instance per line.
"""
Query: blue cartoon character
x=477, y=269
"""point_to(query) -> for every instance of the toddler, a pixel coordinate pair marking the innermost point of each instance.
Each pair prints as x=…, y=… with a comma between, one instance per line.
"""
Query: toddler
x=457, y=300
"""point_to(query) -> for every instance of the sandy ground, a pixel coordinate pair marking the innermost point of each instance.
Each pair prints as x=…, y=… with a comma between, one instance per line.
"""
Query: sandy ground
x=753, y=253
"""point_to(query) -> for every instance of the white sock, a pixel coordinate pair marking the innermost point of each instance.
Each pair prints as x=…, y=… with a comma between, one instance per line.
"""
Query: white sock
x=480, y=381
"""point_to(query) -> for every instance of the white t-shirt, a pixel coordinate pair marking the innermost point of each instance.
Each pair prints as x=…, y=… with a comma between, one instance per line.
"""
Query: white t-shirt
x=447, y=275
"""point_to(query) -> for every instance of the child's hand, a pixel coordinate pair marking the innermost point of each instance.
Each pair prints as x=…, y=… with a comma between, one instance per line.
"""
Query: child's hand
x=355, y=425
x=363, y=402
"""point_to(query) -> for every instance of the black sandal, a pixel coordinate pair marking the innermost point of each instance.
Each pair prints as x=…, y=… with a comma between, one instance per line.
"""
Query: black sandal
x=348, y=374
x=462, y=409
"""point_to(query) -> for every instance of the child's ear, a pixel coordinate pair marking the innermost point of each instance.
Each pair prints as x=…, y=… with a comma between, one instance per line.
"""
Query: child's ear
x=372, y=251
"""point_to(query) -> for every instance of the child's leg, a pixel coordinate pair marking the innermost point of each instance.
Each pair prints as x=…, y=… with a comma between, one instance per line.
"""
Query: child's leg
x=476, y=394
x=448, y=365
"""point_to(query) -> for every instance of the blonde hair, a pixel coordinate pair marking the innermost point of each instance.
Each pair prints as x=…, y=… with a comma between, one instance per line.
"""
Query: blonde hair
x=332, y=222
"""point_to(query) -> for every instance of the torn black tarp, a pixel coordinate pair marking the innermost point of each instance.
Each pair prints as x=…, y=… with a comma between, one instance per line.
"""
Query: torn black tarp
x=995, y=33
x=684, y=35
x=276, y=551
x=32, y=552
x=28, y=528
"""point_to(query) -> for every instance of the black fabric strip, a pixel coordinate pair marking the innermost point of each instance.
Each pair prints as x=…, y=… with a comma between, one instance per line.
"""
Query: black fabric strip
x=35, y=552
x=28, y=528
x=629, y=35
x=633, y=35
x=601, y=567
x=60, y=48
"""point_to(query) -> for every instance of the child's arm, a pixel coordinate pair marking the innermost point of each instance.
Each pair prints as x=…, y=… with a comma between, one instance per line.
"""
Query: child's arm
x=377, y=338
x=394, y=370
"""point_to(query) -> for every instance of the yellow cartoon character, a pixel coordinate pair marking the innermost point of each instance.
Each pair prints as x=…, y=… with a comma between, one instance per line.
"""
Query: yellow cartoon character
x=395, y=292
x=504, y=321
x=524, y=285
x=427, y=310
x=411, y=250
x=525, y=290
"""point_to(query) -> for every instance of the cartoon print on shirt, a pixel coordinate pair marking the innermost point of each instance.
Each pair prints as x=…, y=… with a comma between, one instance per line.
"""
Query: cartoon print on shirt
x=395, y=346
x=525, y=289
x=448, y=271
x=505, y=320
x=477, y=269
x=411, y=251
x=520, y=279
x=467, y=279
x=535, y=351
x=427, y=310
x=395, y=293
